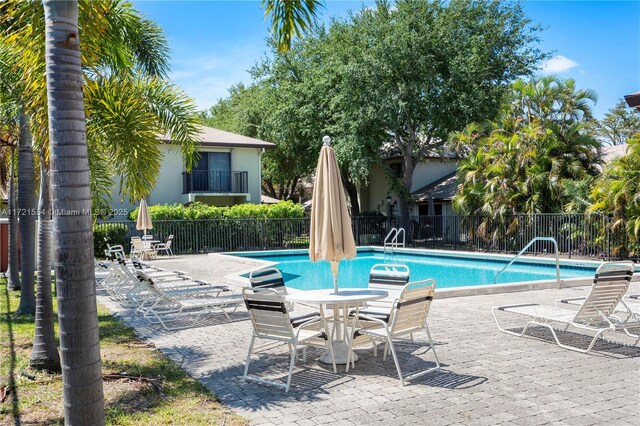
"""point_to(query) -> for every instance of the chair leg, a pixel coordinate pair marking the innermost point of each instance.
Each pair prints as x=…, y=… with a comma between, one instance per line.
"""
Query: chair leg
x=291, y=364
x=246, y=367
x=433, y=348
x=395, y=359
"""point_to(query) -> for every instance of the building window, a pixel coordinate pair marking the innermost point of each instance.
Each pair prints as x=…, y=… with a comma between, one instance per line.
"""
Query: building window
x=396, y=170
x=212, y=173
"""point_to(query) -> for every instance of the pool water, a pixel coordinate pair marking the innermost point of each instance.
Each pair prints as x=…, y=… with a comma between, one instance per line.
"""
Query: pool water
x=449, y=271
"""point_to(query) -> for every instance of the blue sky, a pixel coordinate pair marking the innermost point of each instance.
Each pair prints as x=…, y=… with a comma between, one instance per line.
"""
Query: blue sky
x=214, y=43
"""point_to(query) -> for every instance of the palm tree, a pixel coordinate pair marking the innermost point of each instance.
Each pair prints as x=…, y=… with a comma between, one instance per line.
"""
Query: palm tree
x=26, y=216
x=540, y=138
x=44, y=355
x=79, y=340
x=14, y=269
x=77, y=310
x=9, y=130
x=617, y=192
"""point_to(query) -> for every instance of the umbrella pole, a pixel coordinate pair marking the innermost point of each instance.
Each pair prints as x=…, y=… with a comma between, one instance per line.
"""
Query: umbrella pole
x=334, y=272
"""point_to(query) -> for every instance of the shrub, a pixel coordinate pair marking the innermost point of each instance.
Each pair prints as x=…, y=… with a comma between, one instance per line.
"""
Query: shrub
x=107, y=232
x=197, y=210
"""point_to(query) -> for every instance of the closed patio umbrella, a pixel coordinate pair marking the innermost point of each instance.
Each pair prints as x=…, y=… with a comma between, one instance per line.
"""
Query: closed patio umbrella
x=144, y=218
x=331, y=237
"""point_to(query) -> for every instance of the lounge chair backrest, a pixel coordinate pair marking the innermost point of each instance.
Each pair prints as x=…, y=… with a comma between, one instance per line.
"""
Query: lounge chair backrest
x=268, y=312
x=610, y=284
x=116, y=251
x=388, y=277
x=410, y=310
x=268, y=278
x=169, y=241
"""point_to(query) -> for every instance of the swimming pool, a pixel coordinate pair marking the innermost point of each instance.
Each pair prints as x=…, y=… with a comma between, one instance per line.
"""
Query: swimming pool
x=449, y=270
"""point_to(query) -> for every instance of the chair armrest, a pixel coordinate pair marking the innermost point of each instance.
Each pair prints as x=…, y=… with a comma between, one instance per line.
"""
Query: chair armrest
x=368, y=318
x=305, y=324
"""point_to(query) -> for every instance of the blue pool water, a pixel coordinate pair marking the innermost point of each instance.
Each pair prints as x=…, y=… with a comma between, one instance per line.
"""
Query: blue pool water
x=449, y=271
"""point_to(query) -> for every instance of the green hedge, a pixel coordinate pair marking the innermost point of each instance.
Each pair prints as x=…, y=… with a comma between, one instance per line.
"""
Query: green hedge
x=197, y=210
x=103, y=232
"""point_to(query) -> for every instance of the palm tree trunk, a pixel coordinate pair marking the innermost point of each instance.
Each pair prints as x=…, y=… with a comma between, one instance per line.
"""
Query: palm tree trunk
x=14, y=268
x=44, y=355
x=75, y=280
x=26, y=216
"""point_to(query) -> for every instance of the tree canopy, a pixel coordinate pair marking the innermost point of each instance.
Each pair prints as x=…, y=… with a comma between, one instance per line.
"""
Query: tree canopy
x=398, y=77
x=619, y=125
x=520, y=162
x=617, y=192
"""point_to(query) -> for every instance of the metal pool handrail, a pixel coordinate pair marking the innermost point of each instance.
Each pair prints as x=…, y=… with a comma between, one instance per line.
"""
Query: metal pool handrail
x=555, y=245
x=393, y=234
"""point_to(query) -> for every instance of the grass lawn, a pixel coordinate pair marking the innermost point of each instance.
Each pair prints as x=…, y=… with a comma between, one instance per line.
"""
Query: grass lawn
x=177, y=400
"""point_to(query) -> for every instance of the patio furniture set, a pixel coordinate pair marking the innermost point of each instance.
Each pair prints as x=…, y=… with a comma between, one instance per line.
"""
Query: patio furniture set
x=390, y=309
x=393, y=308
x=146, y=247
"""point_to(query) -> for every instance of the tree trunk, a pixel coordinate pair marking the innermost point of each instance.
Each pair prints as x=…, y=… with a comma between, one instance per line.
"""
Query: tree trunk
x=14, y=269
x=75, y=278
x=27, y=217
x=404, y=220
x=352, y=193
x=44, y=355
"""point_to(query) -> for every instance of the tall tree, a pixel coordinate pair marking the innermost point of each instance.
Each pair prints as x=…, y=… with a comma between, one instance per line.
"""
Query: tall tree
x=428, y=68
x=26, y=216
x=9, y=134
x=44, y=355
x=14, y=269
x=72, y=223
x=617, y=192
x=519, y=162
x=619, y=125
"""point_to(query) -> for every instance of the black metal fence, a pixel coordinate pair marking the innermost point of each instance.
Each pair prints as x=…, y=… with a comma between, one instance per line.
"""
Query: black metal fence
x=577, y=235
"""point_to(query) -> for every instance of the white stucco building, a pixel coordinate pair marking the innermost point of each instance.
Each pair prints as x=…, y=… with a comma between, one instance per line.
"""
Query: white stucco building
x=434, y=177
x=227, y=172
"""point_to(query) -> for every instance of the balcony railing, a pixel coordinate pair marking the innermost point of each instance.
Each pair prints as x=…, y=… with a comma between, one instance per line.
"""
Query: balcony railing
x=208, y=181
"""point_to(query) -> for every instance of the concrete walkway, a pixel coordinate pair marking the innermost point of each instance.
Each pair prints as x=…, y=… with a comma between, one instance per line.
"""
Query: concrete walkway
x=488, y=377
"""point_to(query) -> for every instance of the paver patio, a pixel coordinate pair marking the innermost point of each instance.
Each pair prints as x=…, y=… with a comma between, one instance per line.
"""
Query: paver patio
x=488, y=377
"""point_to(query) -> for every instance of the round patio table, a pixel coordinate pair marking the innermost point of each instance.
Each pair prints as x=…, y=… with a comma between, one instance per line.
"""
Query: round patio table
x=341, y=301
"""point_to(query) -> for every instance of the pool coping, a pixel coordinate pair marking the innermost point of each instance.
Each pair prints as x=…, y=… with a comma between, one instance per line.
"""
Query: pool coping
x=442, y=293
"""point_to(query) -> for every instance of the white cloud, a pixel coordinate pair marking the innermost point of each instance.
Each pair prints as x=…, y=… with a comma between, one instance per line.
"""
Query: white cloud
x=558, y=64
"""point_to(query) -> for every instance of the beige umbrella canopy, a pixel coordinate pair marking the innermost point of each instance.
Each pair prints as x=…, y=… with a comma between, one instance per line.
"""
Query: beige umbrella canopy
x=144, y=218
x=331, y=237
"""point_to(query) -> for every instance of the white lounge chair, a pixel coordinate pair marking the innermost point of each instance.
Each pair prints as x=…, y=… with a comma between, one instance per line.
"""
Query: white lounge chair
x=165, y=307
x=596, y=314
x=271, y=321
x=408, y=316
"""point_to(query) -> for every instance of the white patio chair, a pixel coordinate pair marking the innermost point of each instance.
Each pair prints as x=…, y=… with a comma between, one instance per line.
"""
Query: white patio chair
x=388, y=277
x=271, y=278
x=139, y=249
x=408, y=316
x=165, y=247
x=271, y=321
x=596, y=314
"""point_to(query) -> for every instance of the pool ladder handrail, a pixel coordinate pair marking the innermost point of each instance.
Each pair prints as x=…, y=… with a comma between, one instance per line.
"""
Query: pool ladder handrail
x=393, y=235
x=555, y=245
